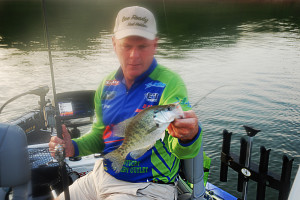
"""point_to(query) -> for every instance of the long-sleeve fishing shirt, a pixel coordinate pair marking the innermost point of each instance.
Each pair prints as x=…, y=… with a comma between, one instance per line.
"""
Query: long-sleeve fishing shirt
x=114, y=103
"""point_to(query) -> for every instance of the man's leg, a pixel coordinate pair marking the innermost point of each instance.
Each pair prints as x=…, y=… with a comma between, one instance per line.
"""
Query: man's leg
x=83, y=188
x=102, y=186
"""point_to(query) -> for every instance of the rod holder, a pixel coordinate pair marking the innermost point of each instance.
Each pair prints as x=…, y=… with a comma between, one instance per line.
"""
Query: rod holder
x=225, y=151
x=285, y=177
x=263, y=172
x=242, y=162
x=257, y=172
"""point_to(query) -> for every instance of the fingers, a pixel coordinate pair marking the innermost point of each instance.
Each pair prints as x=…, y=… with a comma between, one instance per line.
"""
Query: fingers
x=185, y=129
x=54, y=141
x=187, y=123
x=190, y=114
x=65, y=133
x=173, y=131
x=190, y=121
x=66, y=143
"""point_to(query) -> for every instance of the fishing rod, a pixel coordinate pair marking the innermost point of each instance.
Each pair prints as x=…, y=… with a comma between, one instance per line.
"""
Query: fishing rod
x=59, y=150
x=166, y=20
x=40, y=91
x=196, y=104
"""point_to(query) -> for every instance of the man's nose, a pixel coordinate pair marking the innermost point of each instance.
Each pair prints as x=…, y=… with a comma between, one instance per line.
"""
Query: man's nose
x=134, y=53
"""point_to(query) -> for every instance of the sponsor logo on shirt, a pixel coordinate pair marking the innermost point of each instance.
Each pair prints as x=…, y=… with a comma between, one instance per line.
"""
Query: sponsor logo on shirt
x=155, y=84
x=183, y=102
x=133, y=167
x=151, y=97
x=112, y=83
x=108, y=95
x=106, y=106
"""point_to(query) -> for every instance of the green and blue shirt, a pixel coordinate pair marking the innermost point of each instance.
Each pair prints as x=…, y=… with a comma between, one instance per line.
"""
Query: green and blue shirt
x=114, y=104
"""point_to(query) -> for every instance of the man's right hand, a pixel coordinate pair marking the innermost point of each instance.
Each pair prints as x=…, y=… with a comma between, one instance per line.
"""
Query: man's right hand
x=66, y=143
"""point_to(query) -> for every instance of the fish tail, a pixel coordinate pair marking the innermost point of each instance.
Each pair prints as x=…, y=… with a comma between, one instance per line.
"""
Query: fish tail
x=117, y=160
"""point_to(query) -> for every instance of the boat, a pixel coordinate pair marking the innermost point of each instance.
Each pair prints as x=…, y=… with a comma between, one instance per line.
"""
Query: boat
x=43, y=181
x=29, y=172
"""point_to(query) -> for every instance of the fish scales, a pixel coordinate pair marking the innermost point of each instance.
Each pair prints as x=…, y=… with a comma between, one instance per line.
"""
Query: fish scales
x=142, y=131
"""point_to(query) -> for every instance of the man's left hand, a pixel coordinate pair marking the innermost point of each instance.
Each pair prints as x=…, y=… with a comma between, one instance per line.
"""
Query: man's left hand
x=185, y=129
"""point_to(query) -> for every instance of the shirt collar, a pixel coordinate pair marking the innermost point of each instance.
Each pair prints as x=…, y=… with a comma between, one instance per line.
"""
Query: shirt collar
x=120, y=76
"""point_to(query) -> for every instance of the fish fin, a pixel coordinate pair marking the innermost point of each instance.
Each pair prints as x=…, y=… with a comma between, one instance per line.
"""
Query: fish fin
x=116, y=160
x=138, y=153
x=119, y=129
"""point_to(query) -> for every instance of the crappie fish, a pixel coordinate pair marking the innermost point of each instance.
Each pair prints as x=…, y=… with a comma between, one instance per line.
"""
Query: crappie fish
x=142, y=131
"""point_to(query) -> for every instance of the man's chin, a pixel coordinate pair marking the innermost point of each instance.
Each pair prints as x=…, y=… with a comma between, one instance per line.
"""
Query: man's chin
x=135, y=73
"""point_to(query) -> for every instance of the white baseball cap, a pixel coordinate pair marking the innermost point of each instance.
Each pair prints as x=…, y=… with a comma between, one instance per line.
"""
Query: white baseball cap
x=135, y=21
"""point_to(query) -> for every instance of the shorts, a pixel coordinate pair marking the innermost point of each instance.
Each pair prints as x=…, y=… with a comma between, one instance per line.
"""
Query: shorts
x=99, y=185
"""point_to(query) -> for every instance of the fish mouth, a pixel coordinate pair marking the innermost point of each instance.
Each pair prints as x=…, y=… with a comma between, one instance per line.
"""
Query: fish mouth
x=179, y=111
x=168, y=117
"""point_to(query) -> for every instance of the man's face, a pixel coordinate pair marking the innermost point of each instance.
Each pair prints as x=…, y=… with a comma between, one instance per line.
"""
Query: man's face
x=135, y=55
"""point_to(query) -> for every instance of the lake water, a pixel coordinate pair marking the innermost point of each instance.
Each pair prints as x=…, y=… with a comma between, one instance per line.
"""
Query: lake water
x=246, y=54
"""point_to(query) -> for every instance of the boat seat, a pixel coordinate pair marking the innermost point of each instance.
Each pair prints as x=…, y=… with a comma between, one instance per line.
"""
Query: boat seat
x=14, y=161
x=193, y=173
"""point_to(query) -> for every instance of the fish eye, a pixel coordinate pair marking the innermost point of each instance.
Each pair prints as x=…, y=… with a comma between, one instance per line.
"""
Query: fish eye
x=169, y=108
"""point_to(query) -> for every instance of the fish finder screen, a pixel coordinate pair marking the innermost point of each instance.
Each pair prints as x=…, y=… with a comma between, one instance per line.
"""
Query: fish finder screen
x=65, y=108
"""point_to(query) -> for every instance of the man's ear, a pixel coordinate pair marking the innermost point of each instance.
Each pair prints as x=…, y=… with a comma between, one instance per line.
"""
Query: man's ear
x=155, y=44
x=113, y=39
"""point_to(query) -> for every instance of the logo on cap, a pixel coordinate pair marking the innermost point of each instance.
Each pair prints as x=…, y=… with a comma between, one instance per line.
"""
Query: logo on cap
x=135, y=21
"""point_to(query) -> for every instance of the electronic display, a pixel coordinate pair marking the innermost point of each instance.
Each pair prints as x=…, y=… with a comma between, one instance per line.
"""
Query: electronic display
x=65, y=109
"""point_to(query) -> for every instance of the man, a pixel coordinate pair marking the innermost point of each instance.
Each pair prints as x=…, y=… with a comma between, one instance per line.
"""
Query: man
x=139, y=83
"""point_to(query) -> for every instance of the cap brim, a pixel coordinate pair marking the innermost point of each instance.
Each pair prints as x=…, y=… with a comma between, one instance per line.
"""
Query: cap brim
x=134, y=32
